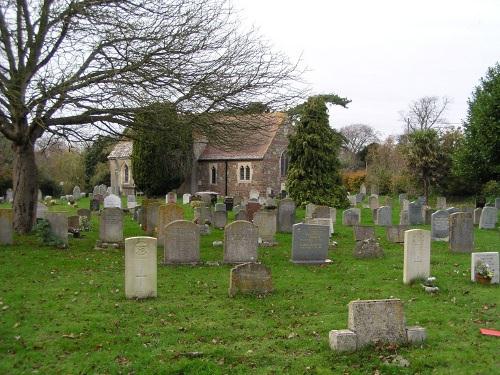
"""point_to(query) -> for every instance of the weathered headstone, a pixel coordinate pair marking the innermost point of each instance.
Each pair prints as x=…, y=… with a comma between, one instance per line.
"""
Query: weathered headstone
x=241, y=216
x=40, y=196
x=74, y=223
x=368, y=248
x=250, y=278
x=131, y=202
x=384, y=216
x=140, y=267
x=402, y=197
x=415, y=213
x=220, y=219
x=417, y=255
x=203, y=214
x=110, y=228
x=112, y=201
x=352, y=200
x=220, y=207
x=327, y=222
x=352, y=216
x=403, y=217
x=286, y=215
x=309, y=209
x=359, y=197
x=58, y=225
x=477, y=215
x=237, y=200
x=152, y=215
x=396, y=233
x=461, y=233
x=182, y=242
x=102, y=190
x=6, y=226
x=171, y=197
x=452, y=210
x=240, y=242
x=374, y=322
x=310, y=244
x=254, y=194
x=41, y=210
x=441, y=203
x=265, y=220
x=84, y=212
x=440, y=225
x=362, y=189
x=252, y=208
x=373, y=202
x=488, y=218
x=406, y=204
x=489, y=258
x=333, y=215
x=167, y=214
x=186, y=198
x=427, y=214
x=363, y=232
x=77, y=192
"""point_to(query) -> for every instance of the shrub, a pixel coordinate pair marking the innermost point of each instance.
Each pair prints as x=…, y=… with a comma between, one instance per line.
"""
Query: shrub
x=352, y=180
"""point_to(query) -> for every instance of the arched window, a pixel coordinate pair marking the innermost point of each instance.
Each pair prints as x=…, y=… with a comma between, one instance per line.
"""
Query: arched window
x=125, y=174
x=242, y=173
x=247, y=173
x=283, y=164
x=213, y=175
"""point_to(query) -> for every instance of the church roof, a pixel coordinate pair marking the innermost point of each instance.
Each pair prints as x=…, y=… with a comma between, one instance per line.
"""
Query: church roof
x=122, y=150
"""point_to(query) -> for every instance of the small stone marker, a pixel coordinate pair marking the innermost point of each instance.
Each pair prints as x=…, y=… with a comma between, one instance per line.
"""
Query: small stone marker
x=396, y=233
x=384, y=216
x=363, y=232
x=84, y=212
x=372, y=322
x=265, y=220
x=171, y=197
x=286, y=215
x=477, y=215
x=182, y=243
x=441, y=203
x=167, y=214
x=352, y=216
x=417, y=255
x=250, y=278
x=186, y=198
x=373, y=202
x=489, y=258
x=41, y=210
x=415, y=213
x=58, y=225
x=6, y=226
x=112, y=201
x=252, y=208
x=140, y=267
x=440, y=225
x=111, y=228
x=488, y=218
x=240, y=242
x=310, y=244
x=368, y=248
x=461, y=233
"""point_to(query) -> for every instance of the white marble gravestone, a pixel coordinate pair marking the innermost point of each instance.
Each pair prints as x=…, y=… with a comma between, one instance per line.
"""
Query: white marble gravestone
x=417, y=255
x=140, y=267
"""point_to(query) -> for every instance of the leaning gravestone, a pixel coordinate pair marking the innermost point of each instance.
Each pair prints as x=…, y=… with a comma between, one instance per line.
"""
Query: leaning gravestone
x=250, y=278
x=351, y=217
x=488, y=218
x=182, y=243
x=6, y=227
x=186, y=198
x=373, y=202
x=309, y=244
x=77, y=192
x=112, y=201
x=41, y=210
x=415, y=213
x=286, y=215
x=240, y=242
x=110, y=228
x=489, y=258
x=440, y=225
x=417, y=255
x=396, y=233
x=265, y=220
x=363, y=232
x=368, y=248
x=441, y=203
x=461, y=233
x=140, y=267
x=372, y=322
x=384, y=216
x=477, y=215
x=167, y=214
x=58, y=225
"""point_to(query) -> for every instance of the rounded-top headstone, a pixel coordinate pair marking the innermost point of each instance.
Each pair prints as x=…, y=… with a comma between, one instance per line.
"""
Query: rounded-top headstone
x=240, y=242
x=182, y=242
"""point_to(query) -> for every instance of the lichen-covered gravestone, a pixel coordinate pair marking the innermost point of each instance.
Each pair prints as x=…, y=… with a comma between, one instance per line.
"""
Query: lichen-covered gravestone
x=140, y=267
x=310, y=244
x=240, y=242
x=372, y=322
x=489, y=258
x=352, y=216
x=441, y=203
x=384, y=216
x=110, y=228
x=265, y=220
x=182, y=243
x=440, y=225
x=373, y=202
x=6, y=226
x=112, y=200
x=167, y=214
x=250, y=278
x=286, y=215
x=488, y=218
x=84, y=212
x=363, y=232
x=461, y=233
x=368, y=248
x=327, y=222
x=58, y=225
x=396, y=233
x=417, y=255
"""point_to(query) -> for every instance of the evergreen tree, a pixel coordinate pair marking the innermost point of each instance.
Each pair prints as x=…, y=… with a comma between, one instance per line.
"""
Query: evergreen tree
x=313, y=174
x=163, y=150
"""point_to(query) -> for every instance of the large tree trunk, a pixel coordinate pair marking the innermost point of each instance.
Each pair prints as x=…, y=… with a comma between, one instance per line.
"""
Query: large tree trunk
x=25, y=180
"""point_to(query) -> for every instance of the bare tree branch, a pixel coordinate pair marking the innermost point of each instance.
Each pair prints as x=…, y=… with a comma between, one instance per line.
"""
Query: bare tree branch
x=425, y=113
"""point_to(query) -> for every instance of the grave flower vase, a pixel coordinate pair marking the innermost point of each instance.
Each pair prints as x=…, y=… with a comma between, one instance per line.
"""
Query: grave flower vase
x=483, y=279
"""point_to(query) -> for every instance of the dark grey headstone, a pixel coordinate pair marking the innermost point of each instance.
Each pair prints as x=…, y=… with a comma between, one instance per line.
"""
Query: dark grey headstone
x=310, y=244
x=286, y=215
x=461, y=237
x=440, y=225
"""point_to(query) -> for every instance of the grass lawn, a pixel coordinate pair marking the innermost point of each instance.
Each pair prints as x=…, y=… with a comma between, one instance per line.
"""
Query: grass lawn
x=64, y=311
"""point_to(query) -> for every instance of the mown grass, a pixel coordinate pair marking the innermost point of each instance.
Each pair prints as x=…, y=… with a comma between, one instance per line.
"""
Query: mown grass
x=64, y=311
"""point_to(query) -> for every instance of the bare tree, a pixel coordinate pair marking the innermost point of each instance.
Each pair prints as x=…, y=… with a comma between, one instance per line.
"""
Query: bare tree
x=357, y=136
x=425, y=113
x=73, y=67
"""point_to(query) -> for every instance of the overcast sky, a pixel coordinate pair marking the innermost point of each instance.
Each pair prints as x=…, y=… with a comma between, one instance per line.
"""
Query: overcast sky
x=383, y=54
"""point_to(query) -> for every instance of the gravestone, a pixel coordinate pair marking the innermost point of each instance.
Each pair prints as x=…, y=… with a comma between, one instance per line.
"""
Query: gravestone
x=152, y=216
x=351, y=217
x=403, y=217
x=440, y=225
x=488, y=218
x=477, y=215
x=265, y=220
x=102, y=190
x=41, y=210
x=110, y=228
x=241, y=216
x=252, y=208
x=441, y=203
x=167, y=214
x=186, y=198
x=110, y=190
x=140, y=267
x=422, y=200
x=131, y=202
x=240, y=242
x=309, y=244
x=262, y=201
x=497, y=203
x=309, y=209
x=406, y=204
x=70, y=199
x=374, y=189
x=371, y=322
x=95, y=191
x=254, y=194
x=77, y=192
x=58, y=225
x=461, y=233
x=452, y=210
x=203, y=214
x=237, y=200
x=73, y=223
x=250, y=278
x=321, y=221
x=95, y=203
x=362, y=189
x=373, y=202
x=321, y=212
x=396, y=233
x=9, y=195
x=333, y=215
x=182, y=243
x=489, y=258
x=359, y=197
x=112, y=201
x=40, y=196
x=363, y=232
x=220, y=218
x=384, y=216
x=6, y=226
x=427, y=214
x=84, y=212
x=220, y=207
x=368, y=248
x=286, y=215
x=415, y=213
x=352, y=200
x=171, y=197
x=417, y=255
x=402, y=197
